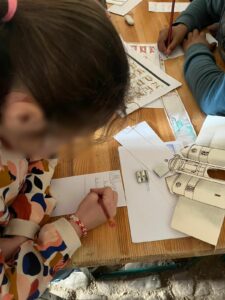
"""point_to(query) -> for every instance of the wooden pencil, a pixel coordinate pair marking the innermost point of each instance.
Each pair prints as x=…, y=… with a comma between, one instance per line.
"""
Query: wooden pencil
x=169, y=38
x=111, y=221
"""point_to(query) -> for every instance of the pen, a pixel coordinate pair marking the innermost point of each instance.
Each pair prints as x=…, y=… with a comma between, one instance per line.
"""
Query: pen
x=169, y=38
x=111, y=221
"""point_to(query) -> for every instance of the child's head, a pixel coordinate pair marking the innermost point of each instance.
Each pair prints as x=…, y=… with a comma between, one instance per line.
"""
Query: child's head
x=67, y=65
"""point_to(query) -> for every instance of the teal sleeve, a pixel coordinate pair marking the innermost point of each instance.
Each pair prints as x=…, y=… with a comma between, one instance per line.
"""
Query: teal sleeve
x=201, y=13
x=205, y=79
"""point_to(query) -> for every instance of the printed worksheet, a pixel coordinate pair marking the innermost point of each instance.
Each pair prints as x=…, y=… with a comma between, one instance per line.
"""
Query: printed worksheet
x=148, y=51
x=148, y=81
x=70, y=191
x=177, y=115
x=151, y=53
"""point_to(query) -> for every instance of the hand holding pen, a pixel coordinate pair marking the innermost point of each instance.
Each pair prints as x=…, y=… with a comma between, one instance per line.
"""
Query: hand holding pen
x=91, y=211
x=107, y=201
x=172, y=36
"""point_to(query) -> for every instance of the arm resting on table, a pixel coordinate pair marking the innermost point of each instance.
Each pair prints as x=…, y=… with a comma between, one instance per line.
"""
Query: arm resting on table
x=205, y=79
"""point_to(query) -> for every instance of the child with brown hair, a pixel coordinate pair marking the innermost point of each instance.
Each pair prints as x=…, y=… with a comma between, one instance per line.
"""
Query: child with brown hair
x=64, y=74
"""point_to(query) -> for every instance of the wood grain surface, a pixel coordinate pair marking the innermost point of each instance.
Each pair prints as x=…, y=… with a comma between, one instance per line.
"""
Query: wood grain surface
x=107, y=246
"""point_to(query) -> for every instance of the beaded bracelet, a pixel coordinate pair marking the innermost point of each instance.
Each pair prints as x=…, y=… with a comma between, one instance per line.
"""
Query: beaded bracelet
x=77, y=221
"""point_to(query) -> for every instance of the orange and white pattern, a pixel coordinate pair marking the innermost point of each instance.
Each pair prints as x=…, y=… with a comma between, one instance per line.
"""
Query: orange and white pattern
x=25, y=209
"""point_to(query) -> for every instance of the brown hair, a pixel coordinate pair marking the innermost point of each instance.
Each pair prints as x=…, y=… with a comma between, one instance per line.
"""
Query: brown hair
x=69, y=56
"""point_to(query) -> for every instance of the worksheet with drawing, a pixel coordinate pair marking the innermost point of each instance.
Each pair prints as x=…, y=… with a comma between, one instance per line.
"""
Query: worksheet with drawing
x=70, y=191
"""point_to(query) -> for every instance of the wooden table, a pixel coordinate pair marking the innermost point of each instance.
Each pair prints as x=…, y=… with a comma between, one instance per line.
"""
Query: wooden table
x=106, y=246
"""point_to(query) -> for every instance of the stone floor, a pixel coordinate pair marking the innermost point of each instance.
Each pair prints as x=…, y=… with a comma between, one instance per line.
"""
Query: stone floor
x=204, y=280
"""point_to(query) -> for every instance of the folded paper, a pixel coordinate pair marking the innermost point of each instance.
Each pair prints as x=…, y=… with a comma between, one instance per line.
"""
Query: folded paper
x=196, y=219
x=211, y=193
x=205, y=154
x=194, y=168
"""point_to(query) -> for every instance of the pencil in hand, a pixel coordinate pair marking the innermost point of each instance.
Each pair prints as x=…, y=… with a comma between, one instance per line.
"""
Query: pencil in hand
x=111, y=221
x=170, y=33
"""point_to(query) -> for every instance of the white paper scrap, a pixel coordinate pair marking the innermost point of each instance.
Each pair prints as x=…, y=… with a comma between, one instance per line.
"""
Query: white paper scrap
x=116, y=2
x=212, y=133
x=124, y=9
x=211, y=39
x=166, y=6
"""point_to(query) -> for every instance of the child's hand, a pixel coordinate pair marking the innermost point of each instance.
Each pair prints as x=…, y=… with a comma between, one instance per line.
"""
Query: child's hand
x=178, y=34
x=197, y=37
x=91, y=213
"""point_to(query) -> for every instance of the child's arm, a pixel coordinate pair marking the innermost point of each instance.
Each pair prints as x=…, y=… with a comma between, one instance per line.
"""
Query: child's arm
x=33, y=206
x=201, y=13
x=26, y=275
x=205, y=79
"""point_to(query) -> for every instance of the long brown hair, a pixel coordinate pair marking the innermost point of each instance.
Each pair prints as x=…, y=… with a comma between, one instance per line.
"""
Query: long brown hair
x=69, y=56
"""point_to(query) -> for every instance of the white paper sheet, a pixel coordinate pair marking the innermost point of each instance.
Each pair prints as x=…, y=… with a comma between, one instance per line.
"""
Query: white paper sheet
x=148, y=151
x=70, y=191
x=148, y=82
x=116, y=2
x=198, y=220
x=166, y=6
x=124, y=9
x=144, y=150
x=149, y=212
x=144, y=146
x=148, y=133
x=212, y=133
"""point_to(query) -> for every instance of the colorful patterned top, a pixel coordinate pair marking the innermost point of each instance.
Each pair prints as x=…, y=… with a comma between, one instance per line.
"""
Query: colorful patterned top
x=25, y=207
